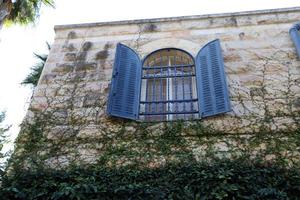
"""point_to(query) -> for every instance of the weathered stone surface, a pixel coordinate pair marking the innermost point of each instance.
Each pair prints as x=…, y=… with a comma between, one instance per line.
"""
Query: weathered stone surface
x=102, y=55
x=86, y=46
x=297, y=102
x=150, y=27
x=81, y=56
x=262, y=71
x=92, y=100
x=69, y=48
x=70, y=57
x=232, y=58
x=72, y=35
x=64, y=68
x=85, y=66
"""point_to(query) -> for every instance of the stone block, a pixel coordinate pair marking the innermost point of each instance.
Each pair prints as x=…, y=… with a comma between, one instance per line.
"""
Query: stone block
x=70, y=57
x=68, y=48
x=92, y=131
x=262, y=71
x=102, y=55
x=91, y=100
x=63, y=68
x=85, y=66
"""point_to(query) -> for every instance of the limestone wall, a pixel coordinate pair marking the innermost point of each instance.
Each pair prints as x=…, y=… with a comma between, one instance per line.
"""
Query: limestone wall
x=262, y=68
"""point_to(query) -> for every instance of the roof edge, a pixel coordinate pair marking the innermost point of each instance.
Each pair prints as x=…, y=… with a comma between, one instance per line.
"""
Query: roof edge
x=169, y=19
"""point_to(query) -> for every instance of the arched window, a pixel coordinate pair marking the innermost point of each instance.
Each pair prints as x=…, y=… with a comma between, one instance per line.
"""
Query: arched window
x=168, y=90
x=168, y=85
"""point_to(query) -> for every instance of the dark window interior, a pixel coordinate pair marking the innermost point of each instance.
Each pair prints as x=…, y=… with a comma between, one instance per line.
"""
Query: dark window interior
x=168, y=90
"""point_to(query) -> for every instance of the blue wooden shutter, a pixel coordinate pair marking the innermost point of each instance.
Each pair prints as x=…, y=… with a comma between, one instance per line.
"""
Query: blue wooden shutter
x=124, y=93
x=211, y=81
x=295, y=35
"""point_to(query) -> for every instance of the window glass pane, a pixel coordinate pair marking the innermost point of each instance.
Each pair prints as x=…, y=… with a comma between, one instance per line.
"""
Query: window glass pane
x=168, y=86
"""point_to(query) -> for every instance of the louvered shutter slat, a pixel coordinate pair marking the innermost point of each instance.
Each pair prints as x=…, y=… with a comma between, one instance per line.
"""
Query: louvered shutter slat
x=124, y=94
x=211, y=81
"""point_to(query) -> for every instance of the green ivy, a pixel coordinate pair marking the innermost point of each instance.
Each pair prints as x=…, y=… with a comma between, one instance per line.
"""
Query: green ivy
x=225, y=179
x=176, y=176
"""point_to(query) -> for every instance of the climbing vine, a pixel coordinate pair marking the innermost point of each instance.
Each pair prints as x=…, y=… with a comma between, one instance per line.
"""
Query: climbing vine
x=73, y=150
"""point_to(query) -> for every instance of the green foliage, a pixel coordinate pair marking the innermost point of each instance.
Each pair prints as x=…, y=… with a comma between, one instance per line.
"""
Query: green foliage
x=36, y=71
x=135, y=161
x=225, y=179
x=26, y=11
x=3, y=140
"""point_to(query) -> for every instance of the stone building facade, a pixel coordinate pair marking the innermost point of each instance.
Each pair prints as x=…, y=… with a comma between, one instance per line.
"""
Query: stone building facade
x=262, y=71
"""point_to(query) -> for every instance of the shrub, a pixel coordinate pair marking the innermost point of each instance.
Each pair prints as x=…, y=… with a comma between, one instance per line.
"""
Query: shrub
x=224, y=179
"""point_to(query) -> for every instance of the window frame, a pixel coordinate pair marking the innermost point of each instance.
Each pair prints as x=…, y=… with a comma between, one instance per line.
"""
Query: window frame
x=210, y=77
x=193, y=82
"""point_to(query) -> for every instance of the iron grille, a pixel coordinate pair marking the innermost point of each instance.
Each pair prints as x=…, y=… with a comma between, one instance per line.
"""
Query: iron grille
x=168, y=90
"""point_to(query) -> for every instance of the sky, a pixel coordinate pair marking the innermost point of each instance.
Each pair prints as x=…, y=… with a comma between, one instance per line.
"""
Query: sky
x=17, y=43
